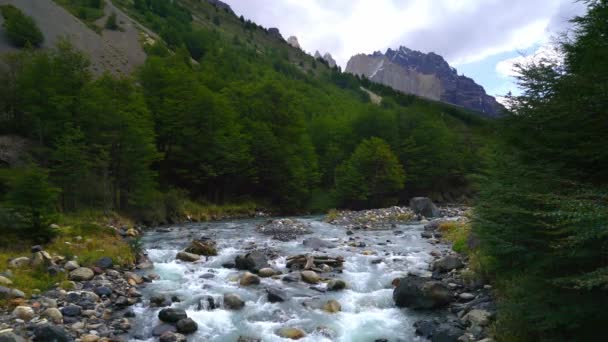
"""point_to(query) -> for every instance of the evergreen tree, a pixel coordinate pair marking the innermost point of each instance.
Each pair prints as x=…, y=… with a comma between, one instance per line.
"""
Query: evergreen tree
x=20, y=28
x=370, y=176
x=542, y=210
x=33, y=198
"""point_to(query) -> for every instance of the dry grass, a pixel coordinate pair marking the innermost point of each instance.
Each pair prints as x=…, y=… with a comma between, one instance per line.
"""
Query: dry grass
x=84, y=242
x=201, y=212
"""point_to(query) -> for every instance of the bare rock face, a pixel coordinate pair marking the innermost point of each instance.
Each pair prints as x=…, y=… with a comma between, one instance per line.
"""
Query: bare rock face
x=329, y=59
x=426, y=75
x=293, y=41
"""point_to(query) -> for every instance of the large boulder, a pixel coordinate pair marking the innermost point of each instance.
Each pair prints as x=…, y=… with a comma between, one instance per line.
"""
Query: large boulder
x=424, y=206
x=316, y=243
x=188, y=257
x=51, y=333
x=421, y=293
x=186, y=326
x=171, y=315
x=447, y=263
x=276, y=295
x=24, y=312
x=291, y=333
x=310, y=277
x=19, y=262
x=172, y=337
x=253, y=261
x=9, y=336
x=82, y=274
x=233, y=301
x=249, y=279
x=203, y=246
x=332, y=306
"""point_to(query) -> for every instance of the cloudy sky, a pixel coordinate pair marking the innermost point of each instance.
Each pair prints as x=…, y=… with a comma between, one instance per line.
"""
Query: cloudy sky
x=481, y=38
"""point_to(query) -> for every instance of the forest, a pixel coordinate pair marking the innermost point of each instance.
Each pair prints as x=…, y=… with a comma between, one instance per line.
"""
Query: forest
x=211, y=119
x=216, y=116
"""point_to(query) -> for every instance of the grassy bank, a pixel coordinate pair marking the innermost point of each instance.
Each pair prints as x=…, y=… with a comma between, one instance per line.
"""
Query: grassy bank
x=87, y=236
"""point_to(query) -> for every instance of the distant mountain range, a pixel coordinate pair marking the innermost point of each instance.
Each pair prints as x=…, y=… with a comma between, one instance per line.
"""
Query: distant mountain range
x=424, y=74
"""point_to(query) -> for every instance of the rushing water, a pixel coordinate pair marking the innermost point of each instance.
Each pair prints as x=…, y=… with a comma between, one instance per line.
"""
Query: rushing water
x=368, y=311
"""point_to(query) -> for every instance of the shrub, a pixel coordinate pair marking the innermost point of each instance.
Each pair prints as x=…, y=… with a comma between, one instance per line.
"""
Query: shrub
x=111, y=22
x=20, y=28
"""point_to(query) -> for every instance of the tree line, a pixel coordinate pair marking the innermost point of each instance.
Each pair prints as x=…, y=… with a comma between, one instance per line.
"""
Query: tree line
x=542, y=209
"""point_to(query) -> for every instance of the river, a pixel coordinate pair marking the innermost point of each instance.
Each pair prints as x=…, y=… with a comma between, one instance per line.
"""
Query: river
x=368, y=311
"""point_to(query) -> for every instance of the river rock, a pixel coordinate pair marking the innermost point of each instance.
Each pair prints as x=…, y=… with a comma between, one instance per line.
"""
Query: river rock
x=9, y=336
x=477, y=317
x=332, y=306
x=19, y=262
x=204, y=247
x=276, y=295
x=171, y=315
x=82, y=274
x=233, y=301
x=53, y=314
x=186, y=326
x=104, y=263
x=103, y=291
x=465, y=296
x=71, y=265
x=424, y=206
x=163, y=329
x=253, y=261
x=89, y=338
x=310, y=277
x=71, y=310
x=249, y=279
x=266, y=272
x=48, y=333
x=5, y=281
x=291, y=333
x=421, y=293
x=284, y=229
x=448, y=263
x=172, y=337
x=336, y=285
x=188, y=257
x=24, y=312
x=316, y=243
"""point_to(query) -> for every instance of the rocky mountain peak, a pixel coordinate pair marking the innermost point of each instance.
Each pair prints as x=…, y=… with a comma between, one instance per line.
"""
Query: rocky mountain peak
x=329, y=59
x=293, y=41
x=221, y=4
x=424, y=74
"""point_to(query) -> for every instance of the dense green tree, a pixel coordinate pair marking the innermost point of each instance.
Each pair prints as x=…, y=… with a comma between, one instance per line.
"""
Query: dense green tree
x=20, y=28
x=33, y=198
x=370, y=176
x=70, y=165
x=542, y=210
x=112, y=22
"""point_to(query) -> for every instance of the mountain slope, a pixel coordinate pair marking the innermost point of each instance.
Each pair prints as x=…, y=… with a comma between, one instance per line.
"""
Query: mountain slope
x=118, y=52
x=426, y=75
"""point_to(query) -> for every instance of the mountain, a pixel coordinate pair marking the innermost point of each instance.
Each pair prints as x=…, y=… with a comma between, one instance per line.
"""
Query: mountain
x=424, y=74
x=327, y=57
x=115, y=51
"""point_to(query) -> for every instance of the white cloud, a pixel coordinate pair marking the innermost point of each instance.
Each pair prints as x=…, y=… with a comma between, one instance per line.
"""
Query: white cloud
x=507, y=67
x=463, y=31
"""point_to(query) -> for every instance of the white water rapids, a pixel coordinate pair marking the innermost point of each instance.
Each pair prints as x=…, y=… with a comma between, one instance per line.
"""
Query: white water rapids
x=368, y=311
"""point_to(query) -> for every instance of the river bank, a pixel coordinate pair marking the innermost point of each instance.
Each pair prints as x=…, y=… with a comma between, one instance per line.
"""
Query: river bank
x=258, y=288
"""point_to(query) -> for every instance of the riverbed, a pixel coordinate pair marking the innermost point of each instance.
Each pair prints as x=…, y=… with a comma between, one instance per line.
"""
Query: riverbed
x=372, y=259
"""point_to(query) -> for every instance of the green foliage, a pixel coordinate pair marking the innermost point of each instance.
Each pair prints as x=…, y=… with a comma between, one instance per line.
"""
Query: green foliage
x=20, y=28
x=542, y=209
x=111, y=22
x=370, y=176
x=32, y=198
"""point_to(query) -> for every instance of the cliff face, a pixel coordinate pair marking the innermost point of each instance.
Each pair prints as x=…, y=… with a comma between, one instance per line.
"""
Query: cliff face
x=426, y=75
